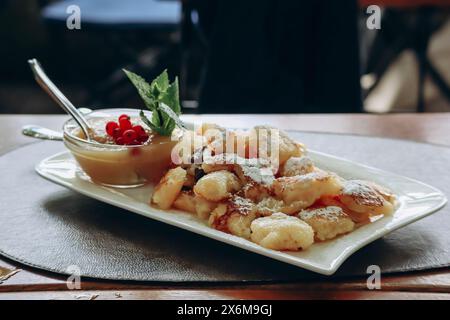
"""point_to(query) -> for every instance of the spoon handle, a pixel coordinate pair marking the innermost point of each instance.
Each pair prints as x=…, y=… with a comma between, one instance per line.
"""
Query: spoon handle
x=58, y=96
x=41, y=133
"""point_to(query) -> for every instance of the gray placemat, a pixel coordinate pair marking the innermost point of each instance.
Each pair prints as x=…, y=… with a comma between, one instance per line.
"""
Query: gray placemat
x=51, y=228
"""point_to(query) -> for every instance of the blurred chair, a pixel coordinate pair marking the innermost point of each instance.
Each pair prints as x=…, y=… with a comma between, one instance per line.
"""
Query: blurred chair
x=271, y=56
x=402, y=29
x=129, y=26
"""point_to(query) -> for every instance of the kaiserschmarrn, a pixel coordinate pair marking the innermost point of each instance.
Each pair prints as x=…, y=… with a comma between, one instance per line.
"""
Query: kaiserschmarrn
x=261, y=185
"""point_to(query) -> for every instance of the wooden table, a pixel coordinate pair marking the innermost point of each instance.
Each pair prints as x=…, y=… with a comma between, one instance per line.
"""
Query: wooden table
x=433, y=128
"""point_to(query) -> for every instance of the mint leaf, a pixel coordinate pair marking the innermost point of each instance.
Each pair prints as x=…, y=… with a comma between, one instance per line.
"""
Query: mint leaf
x=148, y=122
x=143, y=89
x=162, y=81
x=162, y=98
x=156, y=119
x=156, y=91
x=172, y=97
x=171, y=114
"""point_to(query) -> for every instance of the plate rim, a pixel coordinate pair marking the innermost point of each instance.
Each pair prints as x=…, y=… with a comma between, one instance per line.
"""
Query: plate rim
x=250, y=246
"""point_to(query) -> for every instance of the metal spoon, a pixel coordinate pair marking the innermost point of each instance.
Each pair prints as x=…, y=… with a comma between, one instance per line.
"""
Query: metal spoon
x=40, y=132
x=44, y=81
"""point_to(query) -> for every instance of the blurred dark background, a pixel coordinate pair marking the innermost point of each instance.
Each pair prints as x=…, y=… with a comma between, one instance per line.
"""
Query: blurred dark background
x=262, y=56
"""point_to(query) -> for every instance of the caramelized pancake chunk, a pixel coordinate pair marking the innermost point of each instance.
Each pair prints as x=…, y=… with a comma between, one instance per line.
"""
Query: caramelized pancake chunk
x=234, y=216
x=362, y=197
x=282, y=232
x=302, y=191
x=217, y=185
x=297, y=166
x=327, y=222
x=169, y=188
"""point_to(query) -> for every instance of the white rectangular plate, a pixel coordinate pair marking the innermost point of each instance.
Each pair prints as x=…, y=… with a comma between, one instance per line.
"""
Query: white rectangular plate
x=416, y=200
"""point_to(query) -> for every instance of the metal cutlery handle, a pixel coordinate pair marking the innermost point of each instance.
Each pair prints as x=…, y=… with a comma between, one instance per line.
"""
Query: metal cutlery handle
x=44, y=81
x=39, y=132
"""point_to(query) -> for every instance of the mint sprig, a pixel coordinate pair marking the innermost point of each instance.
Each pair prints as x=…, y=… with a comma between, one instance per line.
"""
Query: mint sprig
x=162, y=98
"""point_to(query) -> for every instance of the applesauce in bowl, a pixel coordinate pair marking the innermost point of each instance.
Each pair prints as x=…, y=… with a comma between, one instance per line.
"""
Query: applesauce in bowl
x=110, y=162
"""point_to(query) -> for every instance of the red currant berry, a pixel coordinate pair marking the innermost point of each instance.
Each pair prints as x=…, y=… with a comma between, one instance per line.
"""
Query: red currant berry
x=125, y=124
x=124, y=116
x=129, y=136
x=120, y=141
x=110, y=126
x=143, y=138
x=117, y=132
x=139, y=130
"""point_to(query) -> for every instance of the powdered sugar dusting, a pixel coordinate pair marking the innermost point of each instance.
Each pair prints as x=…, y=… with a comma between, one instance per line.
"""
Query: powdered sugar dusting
x=241, y=205
x=363, y=193
x=297, y=166
x=329, y=213
x=317, y=175
x=257, y=174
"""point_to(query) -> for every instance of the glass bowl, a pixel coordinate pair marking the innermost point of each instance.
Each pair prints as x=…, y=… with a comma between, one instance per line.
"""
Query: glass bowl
x=119, y=166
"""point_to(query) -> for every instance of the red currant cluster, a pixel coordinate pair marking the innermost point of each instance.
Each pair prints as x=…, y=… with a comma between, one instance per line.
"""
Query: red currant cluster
x=125, y=133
